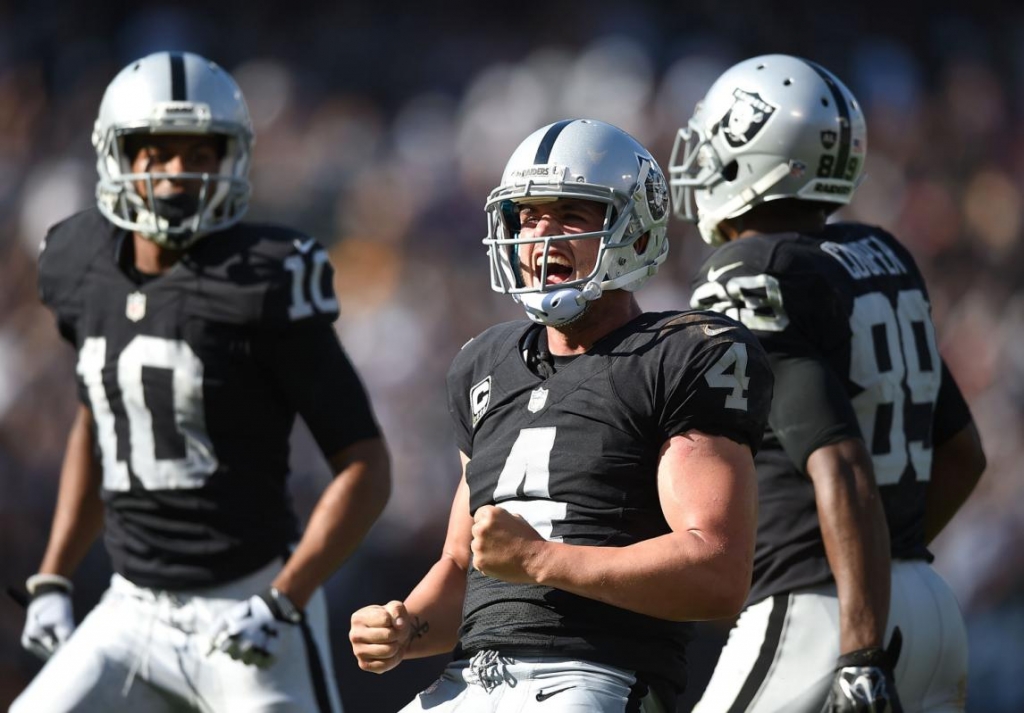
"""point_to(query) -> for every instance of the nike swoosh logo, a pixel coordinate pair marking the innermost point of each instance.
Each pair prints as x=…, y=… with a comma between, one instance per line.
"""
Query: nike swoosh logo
x=544, y=695
x=715, y=273
x=715, y=331
x=305, y=247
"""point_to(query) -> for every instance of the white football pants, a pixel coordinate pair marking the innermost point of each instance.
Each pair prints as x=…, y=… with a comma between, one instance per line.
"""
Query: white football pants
x=492, y=683
x=146, y=650
x=781, y=654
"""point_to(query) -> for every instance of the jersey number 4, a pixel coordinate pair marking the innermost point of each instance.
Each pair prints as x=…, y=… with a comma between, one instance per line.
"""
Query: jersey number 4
x=158, y=423
x=522, y=487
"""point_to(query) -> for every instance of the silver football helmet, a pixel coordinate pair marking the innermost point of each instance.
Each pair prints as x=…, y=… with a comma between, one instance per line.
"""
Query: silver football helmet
x=172, y=93
x=589, y=160
x=770, y=127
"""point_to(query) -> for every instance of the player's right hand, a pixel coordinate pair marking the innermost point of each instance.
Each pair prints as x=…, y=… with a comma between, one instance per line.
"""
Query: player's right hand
x=380, y=636
x=864, y=680
x=49, y=623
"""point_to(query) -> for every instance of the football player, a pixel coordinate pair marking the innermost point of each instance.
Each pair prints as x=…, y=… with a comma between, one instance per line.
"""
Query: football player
x=871, y=448
x=199, y=339
x=608, y=489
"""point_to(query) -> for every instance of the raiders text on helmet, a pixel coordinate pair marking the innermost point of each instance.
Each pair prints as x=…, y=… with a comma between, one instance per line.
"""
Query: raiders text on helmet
x=588, y=160
x=172, y=93
x=770, y=127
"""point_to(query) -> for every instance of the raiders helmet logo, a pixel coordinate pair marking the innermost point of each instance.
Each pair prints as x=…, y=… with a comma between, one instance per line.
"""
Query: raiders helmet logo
x=828, y=138
x=657, y=194
x=746, y=117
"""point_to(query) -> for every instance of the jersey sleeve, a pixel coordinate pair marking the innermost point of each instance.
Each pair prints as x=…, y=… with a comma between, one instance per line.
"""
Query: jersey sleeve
x=951, y=411
x=60, y=277
x=470, y=382
x=722, y=387
x=811, y=408
x=770, y=286
x=318, y=380
x=461, y=396
x=301, y=285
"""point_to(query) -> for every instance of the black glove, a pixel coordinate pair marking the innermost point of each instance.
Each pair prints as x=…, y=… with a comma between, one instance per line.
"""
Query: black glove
x=864, y=681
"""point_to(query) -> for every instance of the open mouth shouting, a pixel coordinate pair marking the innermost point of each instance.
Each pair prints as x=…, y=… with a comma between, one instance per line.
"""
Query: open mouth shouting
x=560, y=268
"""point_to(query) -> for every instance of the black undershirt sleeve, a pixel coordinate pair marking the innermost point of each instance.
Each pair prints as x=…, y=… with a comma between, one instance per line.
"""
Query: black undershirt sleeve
x=951, y=411
x=810, y=409
x=321, y=384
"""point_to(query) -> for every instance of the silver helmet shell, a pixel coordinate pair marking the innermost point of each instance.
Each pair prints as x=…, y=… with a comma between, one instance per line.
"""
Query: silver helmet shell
x=589, y=160
x=770, y=127
x=172, y=93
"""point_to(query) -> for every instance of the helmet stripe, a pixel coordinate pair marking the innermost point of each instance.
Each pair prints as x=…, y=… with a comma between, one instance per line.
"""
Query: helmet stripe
x=548, y=142
x=845, y=130
x=178, y=92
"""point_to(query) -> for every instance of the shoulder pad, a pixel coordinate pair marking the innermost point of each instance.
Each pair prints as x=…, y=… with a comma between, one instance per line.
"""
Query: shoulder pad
x=65, y=254
x=490, y=345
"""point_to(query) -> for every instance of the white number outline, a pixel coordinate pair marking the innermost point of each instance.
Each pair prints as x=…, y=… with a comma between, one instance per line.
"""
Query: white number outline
x=300, y=308
x=174, y=355
x=737, y=381
x=737, y=299
x=874, y=309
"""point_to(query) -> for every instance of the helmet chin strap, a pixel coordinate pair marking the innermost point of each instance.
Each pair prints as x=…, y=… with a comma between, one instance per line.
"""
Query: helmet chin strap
x=559, y=307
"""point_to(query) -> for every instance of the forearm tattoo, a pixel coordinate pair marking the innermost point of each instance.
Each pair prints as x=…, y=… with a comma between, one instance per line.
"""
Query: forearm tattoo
x=419, y=628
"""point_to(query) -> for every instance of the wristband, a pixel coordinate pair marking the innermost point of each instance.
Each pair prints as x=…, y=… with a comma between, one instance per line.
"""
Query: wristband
x=870, y=656
x=281, y=606
x=43, y=583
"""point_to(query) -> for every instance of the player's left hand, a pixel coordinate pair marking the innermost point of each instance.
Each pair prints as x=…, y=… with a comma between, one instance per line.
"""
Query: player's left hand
x=864, y=681
x=249, y=631
x=504, y=545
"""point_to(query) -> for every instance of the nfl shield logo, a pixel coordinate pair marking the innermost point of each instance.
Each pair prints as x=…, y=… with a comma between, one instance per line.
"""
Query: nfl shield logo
x=135, y=309
x=538, y=399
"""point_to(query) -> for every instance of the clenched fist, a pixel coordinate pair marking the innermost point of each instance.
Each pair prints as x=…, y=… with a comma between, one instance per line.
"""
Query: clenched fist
x=380, y=636
x=505, y=545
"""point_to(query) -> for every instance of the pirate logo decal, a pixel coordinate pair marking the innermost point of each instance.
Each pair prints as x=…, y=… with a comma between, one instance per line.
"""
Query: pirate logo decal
x=746, y=117
x=657, y=193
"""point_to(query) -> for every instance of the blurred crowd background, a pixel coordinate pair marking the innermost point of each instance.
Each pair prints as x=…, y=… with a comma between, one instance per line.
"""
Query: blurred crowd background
x=381, y=129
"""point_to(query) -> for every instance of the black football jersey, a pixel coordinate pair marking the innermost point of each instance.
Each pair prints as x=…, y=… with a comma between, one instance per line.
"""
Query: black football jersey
x=194, y=379
x=845, y=318
x=576, y=454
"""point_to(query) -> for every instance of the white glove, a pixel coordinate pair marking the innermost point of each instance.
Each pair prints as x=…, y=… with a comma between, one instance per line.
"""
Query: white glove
x=249, y=631
x=49, y=623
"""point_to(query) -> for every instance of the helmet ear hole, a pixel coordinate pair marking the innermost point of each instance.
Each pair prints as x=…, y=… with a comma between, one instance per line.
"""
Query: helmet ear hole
x=731, y=170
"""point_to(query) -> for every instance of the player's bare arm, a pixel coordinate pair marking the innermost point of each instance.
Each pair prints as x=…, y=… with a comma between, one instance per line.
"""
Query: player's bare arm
x=856, y=538
x=956, y=468
x=708, y=493
x=344, y=513
x=427, y=622
x=78, y=519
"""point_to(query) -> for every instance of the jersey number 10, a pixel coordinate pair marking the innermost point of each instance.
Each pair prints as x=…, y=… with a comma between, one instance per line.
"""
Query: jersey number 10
x=160, y=387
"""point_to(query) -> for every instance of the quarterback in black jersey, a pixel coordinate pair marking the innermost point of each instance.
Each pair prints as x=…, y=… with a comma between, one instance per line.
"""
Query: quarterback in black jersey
x=608, y=491
x=199, y=339
x=871, y=448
